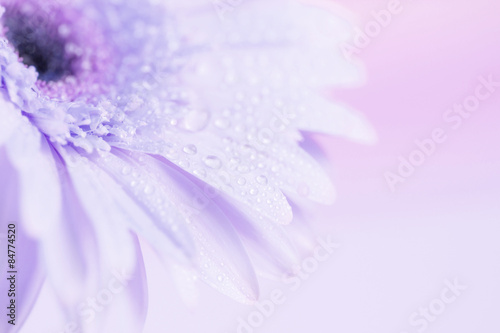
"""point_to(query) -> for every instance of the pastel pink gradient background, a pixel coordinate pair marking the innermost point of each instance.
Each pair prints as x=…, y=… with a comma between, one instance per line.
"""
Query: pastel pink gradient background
x=396, y=248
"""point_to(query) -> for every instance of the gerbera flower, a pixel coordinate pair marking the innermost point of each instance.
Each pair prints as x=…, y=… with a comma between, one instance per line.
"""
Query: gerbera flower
x=178, y=123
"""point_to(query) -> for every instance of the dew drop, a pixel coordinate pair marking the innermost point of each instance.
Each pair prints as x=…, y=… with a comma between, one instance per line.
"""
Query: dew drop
x=184, y=164
x=126, y=170
x=227, y=140
x=243, y=168
x=248, y=149
x=200, y=172
x=242, y=181
x=266, y=138
x=194, y=121
x=262, y=180
x=222, y=123
x=190, y=149
x=240, y=128
x=149, y=189
x=228, y=189
x=212, y=162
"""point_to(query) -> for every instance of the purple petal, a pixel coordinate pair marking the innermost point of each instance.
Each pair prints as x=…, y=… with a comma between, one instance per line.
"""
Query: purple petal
x=218, y=255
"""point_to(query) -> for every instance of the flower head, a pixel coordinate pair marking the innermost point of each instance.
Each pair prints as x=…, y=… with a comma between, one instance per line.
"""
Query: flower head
x=161, y=120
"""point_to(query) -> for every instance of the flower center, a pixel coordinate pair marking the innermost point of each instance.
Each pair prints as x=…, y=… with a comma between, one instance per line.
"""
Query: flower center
x=69, y=47
x=39, y=45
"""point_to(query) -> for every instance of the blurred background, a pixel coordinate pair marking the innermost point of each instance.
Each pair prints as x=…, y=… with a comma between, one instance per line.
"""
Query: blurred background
x=423, y=255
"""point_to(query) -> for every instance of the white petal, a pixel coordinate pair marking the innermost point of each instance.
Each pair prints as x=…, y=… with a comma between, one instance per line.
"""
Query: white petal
x=219, y=256
x=317, y=114
x=185, y=280
x=301, y=41
x=127, y=290
x=11, y=118
x=268, y=244
x=112, y=211
x=30, y=154
x=214, y=165
x=300, y=174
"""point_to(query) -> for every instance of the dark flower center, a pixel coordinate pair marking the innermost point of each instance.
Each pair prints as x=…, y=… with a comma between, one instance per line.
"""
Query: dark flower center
x=39, y=44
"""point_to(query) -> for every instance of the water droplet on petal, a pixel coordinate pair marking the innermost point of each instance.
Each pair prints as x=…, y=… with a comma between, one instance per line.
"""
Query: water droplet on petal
x=243, y=168
x=262, y=180
x=149, y=189
x=190, y=149
x=265, y=137
x=228, y=189
x=200, y=172
x=222, y=123
x=126, y=170
x=212, y=162
x=184, y=164
x=194, y=121
x=247, y=149
x=227, y=140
